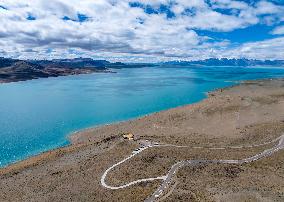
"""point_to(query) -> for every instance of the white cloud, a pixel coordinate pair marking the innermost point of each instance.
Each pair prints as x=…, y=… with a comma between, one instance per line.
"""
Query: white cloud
x=267, y=49
x=229, y=4
x=116, y=30
x=278, y=30
x=265, y=8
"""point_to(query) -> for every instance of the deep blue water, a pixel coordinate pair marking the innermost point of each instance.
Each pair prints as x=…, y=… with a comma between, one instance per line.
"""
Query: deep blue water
x=37, y=115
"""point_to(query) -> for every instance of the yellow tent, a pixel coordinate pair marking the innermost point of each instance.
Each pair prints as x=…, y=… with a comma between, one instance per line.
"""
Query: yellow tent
x=128, y=136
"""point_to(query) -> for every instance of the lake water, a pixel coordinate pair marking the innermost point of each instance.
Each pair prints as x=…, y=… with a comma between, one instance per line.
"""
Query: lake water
x=37, y=115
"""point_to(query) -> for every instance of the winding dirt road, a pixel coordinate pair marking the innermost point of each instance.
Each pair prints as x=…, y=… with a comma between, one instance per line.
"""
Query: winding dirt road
x=167, y=178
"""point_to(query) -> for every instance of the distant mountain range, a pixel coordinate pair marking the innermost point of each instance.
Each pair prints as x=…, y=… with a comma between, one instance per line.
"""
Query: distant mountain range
x=228, y=62
x=85, y=63
x=79, y=63
x=12, y=70
x=19, y=70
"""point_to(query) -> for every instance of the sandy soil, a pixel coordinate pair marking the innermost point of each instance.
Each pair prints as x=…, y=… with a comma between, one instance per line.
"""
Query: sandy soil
x=250, y=113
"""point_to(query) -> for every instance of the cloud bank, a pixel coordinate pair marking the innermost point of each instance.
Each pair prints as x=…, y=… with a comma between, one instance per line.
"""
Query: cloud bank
x=142, y=30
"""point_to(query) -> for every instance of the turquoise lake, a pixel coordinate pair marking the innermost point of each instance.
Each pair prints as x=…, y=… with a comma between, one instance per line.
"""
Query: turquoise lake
x=38, y=115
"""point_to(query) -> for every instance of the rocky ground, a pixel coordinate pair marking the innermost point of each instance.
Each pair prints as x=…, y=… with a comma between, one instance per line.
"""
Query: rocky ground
x=250, y=113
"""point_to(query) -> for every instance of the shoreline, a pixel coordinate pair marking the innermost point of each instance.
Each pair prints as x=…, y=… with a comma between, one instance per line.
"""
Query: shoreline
x=74, y=137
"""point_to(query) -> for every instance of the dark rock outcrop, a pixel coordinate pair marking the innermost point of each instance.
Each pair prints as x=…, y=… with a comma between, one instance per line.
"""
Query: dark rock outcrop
x=12, y=70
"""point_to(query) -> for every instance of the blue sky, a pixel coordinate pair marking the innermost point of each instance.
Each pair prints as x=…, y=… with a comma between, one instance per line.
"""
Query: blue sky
x=142, y=30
